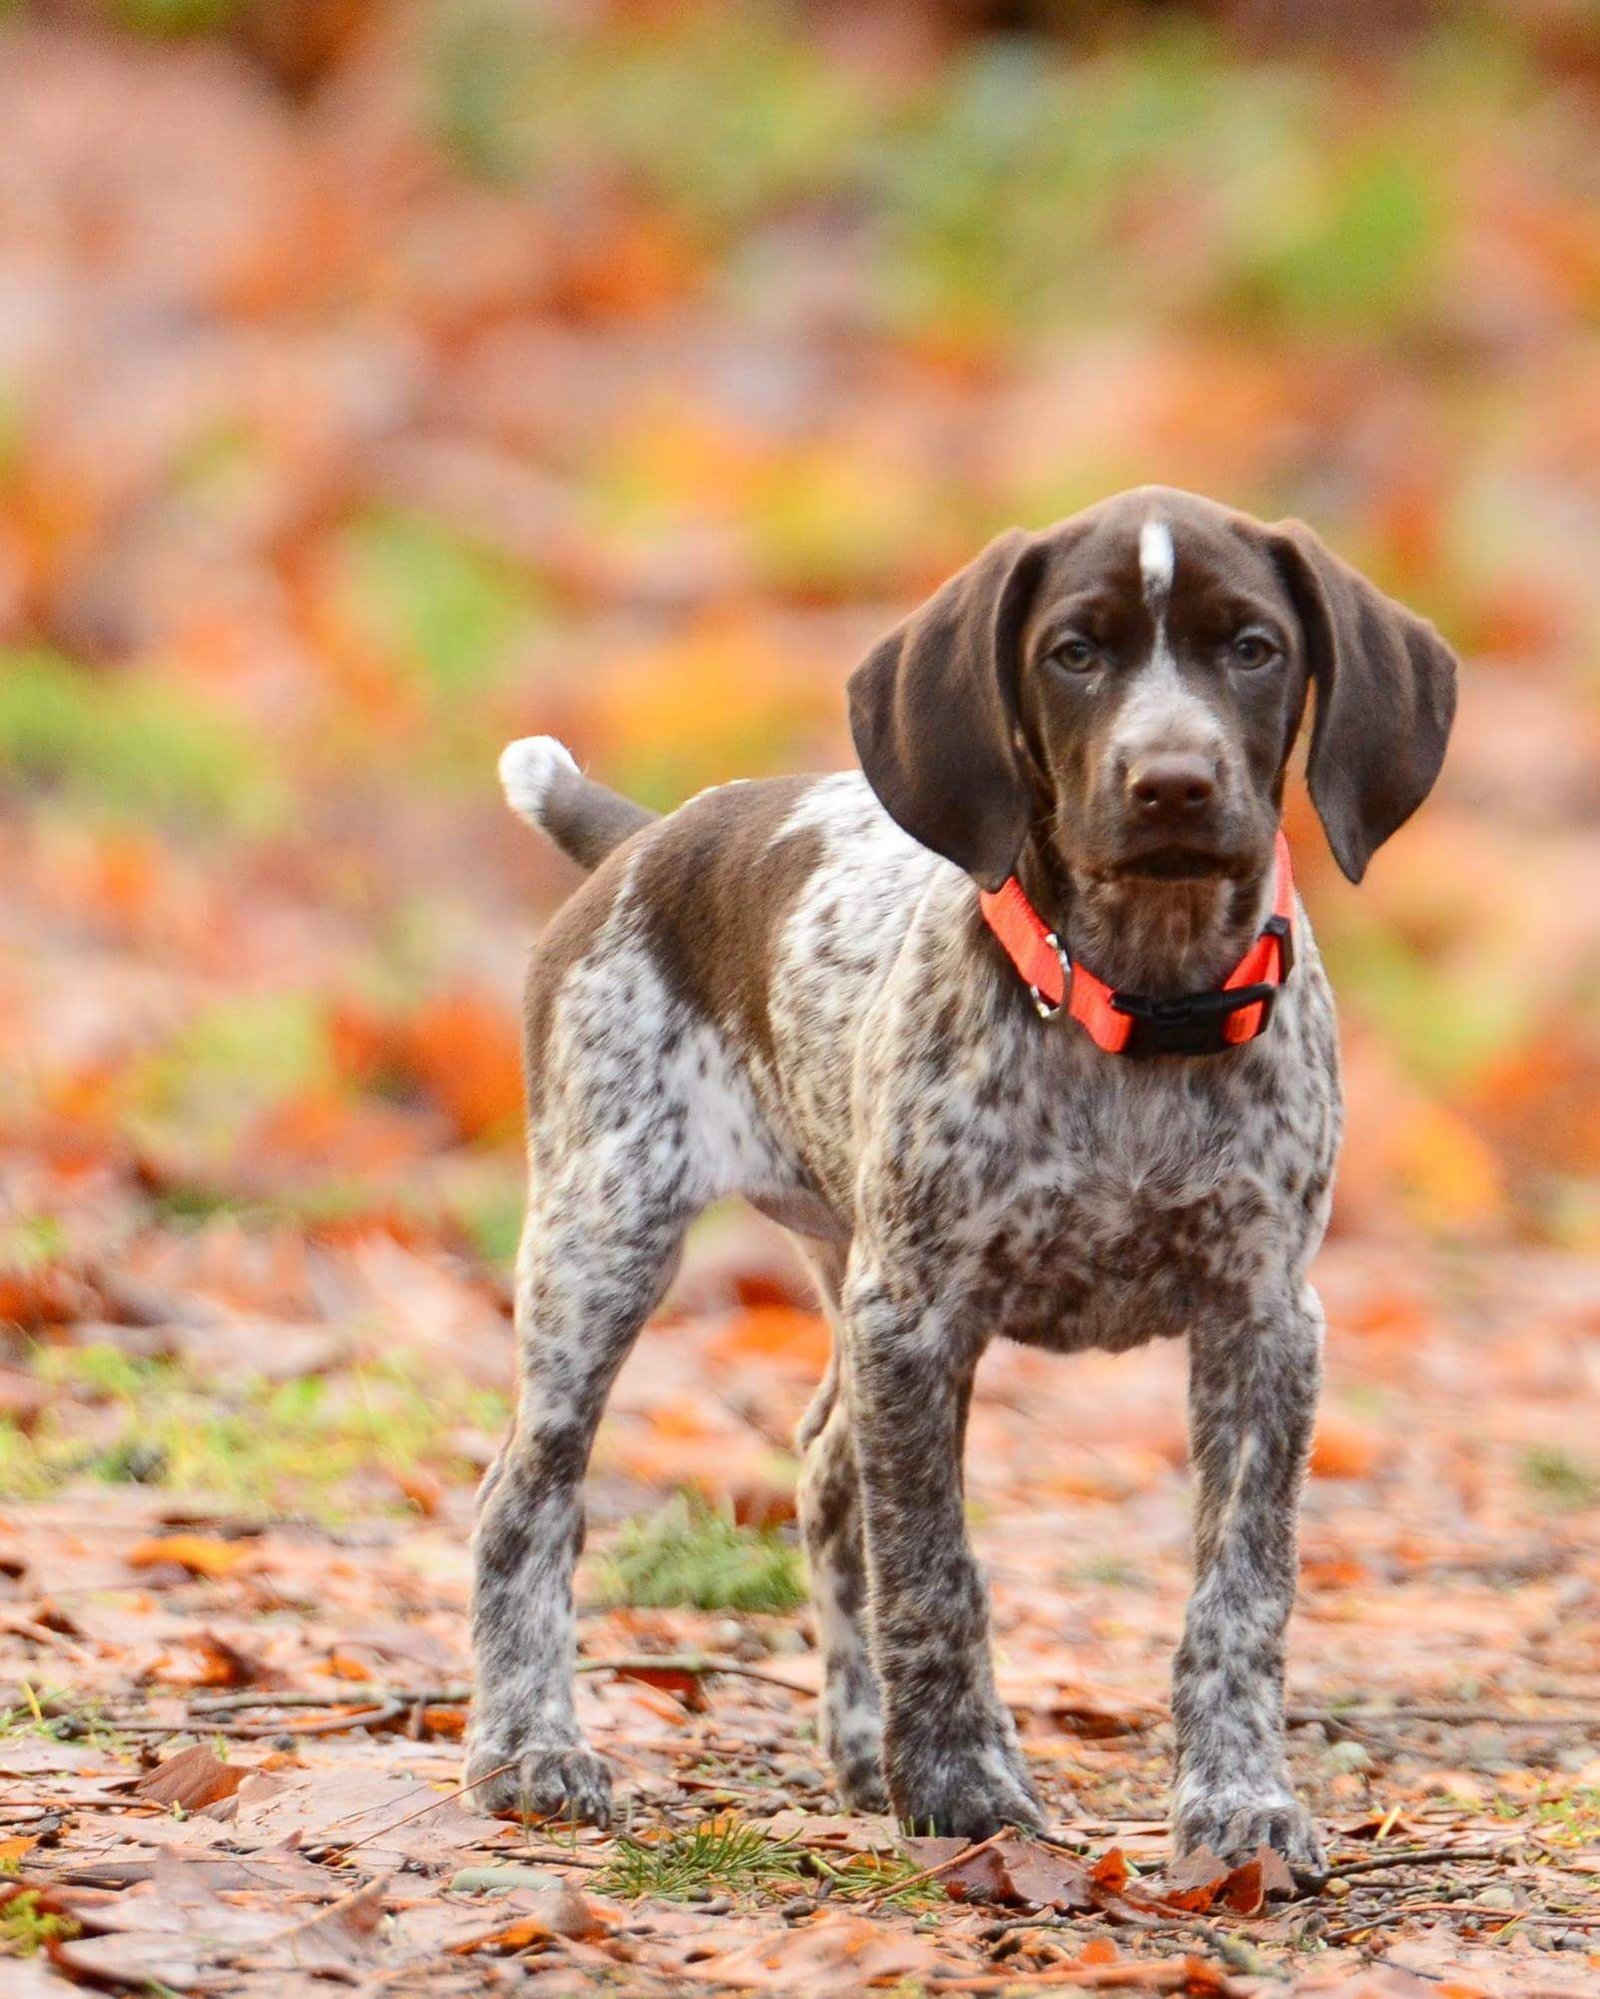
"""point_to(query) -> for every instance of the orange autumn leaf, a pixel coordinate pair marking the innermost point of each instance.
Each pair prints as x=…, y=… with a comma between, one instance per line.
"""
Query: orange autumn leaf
x=365, y=1045
x=777, y=1333
x=1342, y=1449
x=630, y=265
x=466, y=1052
x=200, y=1554
x=1111, y=1871
x=321, y=1130
x=1450, y=1177
x=346, y=1666
x=45, y=1295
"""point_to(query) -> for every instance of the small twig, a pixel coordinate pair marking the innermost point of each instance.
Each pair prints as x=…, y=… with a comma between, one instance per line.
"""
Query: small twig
x=690, y=1662
x=697, y=1664
x=1382, y=1918
x=1446, y=1717
x=944, y=1867
x=1130, y=1977
x=342, y=1697
x=377, y=1715
x=1427, y=1856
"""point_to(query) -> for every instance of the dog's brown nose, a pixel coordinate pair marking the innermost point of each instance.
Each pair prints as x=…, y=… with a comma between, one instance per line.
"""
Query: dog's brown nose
x=1171, y=785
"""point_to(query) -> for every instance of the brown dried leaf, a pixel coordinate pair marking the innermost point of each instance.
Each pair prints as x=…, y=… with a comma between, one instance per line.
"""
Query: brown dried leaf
x=1016, y=1871
x=140, y=1960
x=834, y=1953
x=192, y=1779
x=551, y=1913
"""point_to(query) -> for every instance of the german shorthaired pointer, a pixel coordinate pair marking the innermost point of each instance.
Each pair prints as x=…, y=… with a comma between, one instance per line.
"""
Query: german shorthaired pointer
x=843, y=998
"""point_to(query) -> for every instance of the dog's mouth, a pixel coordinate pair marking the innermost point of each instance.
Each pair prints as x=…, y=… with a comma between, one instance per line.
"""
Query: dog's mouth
x=1176, y=864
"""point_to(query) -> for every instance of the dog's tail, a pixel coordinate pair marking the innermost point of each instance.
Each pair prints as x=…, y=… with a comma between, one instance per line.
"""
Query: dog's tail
x=544, y=786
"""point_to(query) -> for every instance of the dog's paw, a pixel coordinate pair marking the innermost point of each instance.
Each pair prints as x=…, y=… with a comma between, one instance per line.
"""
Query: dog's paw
x=1234, y=1831
x=860, y=1784
x=559, y=1783
x=965, y=1794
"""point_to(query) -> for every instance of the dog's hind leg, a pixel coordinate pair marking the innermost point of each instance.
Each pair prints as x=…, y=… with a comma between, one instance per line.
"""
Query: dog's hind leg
x=598, y=1249
x=851, y=1720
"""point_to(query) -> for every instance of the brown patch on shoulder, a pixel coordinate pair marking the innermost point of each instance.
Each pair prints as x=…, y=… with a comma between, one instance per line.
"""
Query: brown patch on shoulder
x=713, y=889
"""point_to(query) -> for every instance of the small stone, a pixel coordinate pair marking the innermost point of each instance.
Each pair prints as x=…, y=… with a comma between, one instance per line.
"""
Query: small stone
x=801, y=1906
x=1496, y=1897
x=1338, y=1887
x=499, y=1880
x=1349, y=1757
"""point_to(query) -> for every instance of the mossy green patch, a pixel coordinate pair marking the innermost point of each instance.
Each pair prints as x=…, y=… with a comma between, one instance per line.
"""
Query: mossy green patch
x=695, y=1555
x=129, y=745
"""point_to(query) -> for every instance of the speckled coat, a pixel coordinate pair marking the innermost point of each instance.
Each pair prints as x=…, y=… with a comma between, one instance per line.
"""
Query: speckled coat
x=778, y=992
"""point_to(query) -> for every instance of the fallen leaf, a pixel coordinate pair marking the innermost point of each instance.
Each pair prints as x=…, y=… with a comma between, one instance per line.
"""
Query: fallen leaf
x=1015, y=1871
x=834, y=1953
x=330, y=1944
x=192, y=1779
x=200, y=1554
x=549, y=1914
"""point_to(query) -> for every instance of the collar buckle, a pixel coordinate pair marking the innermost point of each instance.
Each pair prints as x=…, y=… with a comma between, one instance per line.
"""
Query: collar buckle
x=1191, y=1023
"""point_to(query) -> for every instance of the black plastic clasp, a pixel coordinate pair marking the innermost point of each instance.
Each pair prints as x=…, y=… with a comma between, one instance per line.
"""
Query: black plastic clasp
x=1281, y=928
x=1193, y=1023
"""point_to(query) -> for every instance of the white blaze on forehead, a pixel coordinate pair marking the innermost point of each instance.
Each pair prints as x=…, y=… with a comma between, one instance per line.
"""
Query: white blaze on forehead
x=1157, y=558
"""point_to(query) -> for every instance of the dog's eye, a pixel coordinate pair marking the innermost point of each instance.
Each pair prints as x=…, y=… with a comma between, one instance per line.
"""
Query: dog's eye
x=1075, y=655
x=1252, y=649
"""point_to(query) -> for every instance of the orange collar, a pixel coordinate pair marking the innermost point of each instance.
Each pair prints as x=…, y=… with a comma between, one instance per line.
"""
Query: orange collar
x=1124, y=1023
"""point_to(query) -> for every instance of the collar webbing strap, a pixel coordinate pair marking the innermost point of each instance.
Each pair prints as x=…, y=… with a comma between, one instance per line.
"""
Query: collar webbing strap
x=1127, y=1023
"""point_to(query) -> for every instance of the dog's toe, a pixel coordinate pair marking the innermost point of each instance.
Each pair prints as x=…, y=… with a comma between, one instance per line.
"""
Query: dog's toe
x=564, y=1783
x=1233, y=1832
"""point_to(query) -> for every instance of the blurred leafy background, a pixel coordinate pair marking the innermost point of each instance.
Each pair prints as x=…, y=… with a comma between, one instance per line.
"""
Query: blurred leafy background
x=380, y=382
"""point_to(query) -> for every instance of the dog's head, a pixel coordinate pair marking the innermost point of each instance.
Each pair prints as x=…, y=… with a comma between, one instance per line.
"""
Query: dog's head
x=1124, y=689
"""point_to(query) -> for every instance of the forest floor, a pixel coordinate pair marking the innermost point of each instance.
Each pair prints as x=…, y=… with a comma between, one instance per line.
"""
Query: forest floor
x=229, y=1757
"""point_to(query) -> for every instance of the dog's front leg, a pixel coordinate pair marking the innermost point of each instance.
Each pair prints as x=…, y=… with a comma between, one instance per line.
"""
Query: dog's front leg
x=1253, y=1394
x=950, y=1750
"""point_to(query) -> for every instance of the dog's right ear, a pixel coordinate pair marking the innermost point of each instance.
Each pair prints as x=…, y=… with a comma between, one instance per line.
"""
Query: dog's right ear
x=933, y=711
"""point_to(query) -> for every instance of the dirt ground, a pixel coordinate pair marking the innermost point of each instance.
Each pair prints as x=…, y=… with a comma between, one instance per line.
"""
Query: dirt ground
x=158, y=1656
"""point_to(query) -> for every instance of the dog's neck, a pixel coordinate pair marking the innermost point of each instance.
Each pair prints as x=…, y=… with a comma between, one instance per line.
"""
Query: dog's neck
x=1143, y=935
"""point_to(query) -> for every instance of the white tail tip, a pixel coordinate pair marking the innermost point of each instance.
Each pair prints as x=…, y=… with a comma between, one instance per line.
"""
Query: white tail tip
x=528, y=768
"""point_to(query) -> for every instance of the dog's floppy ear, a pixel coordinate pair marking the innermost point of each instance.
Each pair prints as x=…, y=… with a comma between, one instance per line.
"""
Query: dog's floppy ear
x=1386, y=696
x=933, y=710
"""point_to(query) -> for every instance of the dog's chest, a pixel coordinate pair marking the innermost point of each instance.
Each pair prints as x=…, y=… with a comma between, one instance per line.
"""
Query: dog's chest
x=1112, y=1210
x=1118, y=1242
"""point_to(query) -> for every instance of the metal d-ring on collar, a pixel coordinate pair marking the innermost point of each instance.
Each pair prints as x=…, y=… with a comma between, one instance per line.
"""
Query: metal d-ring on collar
x=1047, y=1009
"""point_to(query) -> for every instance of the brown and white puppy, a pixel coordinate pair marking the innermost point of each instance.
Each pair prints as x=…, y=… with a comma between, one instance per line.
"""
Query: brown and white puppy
x=785, y=990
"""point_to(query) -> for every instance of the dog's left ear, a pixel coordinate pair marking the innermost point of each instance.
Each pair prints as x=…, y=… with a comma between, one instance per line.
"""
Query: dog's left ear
x=1386, y=696
x=933, y=711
